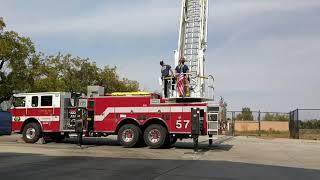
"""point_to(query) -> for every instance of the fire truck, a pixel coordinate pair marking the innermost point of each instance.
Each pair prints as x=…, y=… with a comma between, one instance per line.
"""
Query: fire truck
x=135, y=117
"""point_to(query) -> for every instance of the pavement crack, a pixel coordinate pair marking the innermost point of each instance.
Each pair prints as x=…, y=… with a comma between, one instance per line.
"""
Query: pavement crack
x=166, y=172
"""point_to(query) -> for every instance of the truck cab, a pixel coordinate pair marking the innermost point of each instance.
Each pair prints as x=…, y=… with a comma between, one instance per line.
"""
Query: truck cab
x=33, y=111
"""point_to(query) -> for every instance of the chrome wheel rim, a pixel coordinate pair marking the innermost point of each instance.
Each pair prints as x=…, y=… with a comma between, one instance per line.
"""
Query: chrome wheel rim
x=154, y=136
x=31, y=133
x=127, y=135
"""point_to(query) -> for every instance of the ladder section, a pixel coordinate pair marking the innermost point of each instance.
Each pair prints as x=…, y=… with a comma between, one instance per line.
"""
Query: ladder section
x=192, y=40
x=193, y=43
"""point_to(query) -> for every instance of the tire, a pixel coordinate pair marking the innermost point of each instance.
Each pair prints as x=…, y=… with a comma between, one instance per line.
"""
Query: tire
x=161, y=134
x=129, y=135
x=31, y=132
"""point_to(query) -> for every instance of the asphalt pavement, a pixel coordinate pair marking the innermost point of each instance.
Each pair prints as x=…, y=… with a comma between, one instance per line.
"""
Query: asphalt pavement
x=66, y=161
x=31, y=166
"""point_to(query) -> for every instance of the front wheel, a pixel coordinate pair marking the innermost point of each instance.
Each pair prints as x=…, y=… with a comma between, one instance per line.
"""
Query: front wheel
x=31, y=133
x=129, y=135
x=155, y=136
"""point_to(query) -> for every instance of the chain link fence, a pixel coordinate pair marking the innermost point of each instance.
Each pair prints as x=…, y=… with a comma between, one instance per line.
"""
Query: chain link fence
x=257, y=123
x=304, y=124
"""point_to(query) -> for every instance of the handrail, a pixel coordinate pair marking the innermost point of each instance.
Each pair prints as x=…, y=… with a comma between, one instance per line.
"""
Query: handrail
x=171, y=77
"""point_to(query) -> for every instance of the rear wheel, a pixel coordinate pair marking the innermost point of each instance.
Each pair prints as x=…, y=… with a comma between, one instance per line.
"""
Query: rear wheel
x=31, y=132
x=155, y=136
x=129, y=135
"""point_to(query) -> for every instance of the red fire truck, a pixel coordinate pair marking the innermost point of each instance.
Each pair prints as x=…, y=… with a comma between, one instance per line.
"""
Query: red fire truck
x=134, y=117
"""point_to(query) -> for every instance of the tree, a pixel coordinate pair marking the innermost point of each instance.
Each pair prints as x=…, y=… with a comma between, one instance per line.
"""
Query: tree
x=15, y=50
x=109, y=79
x=24, y=70
x=268, y=117
x=245, y=115
x=276, y=117
x=74, y=74
x=2, y=24
x=283, y=117
x=309, y=124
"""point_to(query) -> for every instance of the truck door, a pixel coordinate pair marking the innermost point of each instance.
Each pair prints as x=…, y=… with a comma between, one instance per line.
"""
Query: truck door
x=19, y=109
x=46, y=109
x=32, y=106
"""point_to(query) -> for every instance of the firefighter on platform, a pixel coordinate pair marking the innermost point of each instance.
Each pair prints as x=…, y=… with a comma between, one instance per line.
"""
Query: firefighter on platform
x=182, y=76
x=166, y=76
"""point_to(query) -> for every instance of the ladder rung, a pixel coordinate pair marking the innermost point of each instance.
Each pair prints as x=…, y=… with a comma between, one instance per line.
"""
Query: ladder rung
x=188, y=26
x=191, y=48
x=191, y=43
x=189, y=20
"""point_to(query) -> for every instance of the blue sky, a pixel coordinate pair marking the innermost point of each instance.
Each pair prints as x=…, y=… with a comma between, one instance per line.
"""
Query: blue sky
x=263, y=53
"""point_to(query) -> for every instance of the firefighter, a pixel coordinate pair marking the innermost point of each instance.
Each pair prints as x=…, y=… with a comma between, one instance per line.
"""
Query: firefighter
x=183, y=69
x=166, y=76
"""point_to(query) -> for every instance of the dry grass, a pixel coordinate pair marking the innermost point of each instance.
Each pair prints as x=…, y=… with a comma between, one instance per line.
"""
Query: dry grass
x=264, y=134
x=313, y=134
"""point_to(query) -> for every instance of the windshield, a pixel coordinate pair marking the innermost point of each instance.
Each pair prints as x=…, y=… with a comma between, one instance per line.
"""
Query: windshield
x=19, y=101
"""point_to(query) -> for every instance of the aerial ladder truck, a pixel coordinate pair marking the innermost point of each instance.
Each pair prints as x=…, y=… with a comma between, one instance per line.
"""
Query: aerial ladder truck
x=135, y=117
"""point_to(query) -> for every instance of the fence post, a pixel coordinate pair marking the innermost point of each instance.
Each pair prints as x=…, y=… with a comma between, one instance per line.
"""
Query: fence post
x=233, y=123
x=259, y=120
x=298, y=125
x=290, y=124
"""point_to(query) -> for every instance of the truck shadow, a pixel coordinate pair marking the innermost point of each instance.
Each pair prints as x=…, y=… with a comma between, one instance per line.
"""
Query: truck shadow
x=203, y=146
x=93, y=141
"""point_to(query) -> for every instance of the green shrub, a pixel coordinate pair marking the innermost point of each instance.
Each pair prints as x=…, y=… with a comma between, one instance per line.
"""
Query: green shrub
x=310, y=124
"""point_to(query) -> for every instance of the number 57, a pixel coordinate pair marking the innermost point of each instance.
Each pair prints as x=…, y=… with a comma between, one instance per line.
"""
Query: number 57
x=180, y=123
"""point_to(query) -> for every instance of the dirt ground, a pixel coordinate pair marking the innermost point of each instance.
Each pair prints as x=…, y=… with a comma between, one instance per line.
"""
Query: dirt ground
x=279, y=152
x=265, y=125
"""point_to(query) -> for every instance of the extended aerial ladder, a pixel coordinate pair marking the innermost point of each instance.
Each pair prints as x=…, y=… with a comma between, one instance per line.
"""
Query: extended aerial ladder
x=192, y=45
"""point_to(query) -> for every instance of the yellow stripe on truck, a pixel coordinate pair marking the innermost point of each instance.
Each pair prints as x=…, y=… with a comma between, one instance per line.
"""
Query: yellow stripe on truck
x=129, y=93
